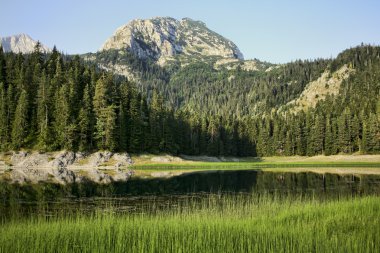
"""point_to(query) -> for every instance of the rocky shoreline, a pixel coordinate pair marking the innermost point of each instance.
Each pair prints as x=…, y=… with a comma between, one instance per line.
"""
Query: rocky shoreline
x=64, y=167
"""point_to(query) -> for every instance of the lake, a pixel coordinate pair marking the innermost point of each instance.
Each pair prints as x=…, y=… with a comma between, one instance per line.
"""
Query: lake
x=153, y=194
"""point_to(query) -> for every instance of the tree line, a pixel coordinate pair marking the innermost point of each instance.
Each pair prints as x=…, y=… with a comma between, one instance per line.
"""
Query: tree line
x=53, y=102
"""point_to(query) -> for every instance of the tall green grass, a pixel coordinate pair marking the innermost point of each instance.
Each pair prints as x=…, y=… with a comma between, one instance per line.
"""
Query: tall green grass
x=236, y=223
x=252, y=165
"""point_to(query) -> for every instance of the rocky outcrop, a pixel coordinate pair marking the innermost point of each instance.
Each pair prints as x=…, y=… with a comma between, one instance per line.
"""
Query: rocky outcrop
x=64, y=167
x=165, y=39
x=21, y=43
x=328, y=84
x=247, y=65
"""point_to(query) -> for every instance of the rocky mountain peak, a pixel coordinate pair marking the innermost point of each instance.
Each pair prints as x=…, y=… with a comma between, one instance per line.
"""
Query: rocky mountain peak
x=163, y=39
x=21, y=43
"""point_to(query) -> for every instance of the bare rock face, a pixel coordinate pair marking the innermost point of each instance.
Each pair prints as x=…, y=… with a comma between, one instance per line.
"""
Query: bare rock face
x=21, y=43
x=163, y=39
x=63, y=159
x=65, y=167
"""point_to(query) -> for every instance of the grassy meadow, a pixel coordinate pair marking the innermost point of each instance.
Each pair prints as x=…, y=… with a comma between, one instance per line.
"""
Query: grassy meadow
x=235, y=223
x=166, y=165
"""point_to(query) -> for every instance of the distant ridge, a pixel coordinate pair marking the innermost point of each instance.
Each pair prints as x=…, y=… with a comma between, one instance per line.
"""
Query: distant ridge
x=21, y=43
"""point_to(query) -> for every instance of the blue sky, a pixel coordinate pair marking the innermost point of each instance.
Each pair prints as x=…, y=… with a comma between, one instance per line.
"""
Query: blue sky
x=276, y=31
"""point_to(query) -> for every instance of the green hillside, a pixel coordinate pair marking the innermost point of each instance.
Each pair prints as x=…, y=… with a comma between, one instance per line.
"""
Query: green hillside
x=52, y=102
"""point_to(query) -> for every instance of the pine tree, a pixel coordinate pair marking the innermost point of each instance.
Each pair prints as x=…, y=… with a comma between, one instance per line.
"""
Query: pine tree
x=344, y=132
x=365, y=138
x=37, y=57
x=105, y=114
x=264, y=139
x=145, y=128
x=20, y=123
x=299, y=133
x=289, y=145
x=214, y=134
x=169, y=133
x=316, y=136
x=203, y=139
x=335, y=134
x=43, y=113
x=156, y=122
x=123, y=118
x=109, y=118
x=309, y=127
x=136, y=131
x=85, y=121
x=3, y=118
x=329, y=138
x=3, y=71
x=373, y=134
x=355, y=134
x=64, y=128
x=11, y=102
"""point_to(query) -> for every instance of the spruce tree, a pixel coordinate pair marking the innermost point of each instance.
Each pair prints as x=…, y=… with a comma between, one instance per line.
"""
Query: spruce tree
x=344, y=132
x=109, y=115
x=63, y=126
x=136, y=131
x=3, y=66
x=3, y=118
x=105, y=114
x=43, y=113
x=329, y=138
x=214, y=137
x=156, y=122
x=299, y=133
x=373, y=134
x=20, y=123
x=145, y=128
x=289, y=145
x=85, y=121
x=124, y=118
x=203, y=138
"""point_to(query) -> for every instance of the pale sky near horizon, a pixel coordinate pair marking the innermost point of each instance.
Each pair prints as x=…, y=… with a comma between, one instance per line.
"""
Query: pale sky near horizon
x=276, y=31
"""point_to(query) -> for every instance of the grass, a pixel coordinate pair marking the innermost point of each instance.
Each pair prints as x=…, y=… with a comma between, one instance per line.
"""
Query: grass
x=83, y=161
x=83, y=173
x=351, y=163
x=215, y=224
x=177, y=168
x=6, y=158
x=251, y=165
x=110, y=162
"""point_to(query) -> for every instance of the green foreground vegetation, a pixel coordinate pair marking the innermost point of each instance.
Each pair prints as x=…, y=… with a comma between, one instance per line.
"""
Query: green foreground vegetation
x=236, y=223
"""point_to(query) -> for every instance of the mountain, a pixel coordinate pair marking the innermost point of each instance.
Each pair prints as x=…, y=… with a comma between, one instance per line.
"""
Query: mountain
x=144, y=48
x=165, y=39
x=21, y=43
x=198, y=71
x=206, y=105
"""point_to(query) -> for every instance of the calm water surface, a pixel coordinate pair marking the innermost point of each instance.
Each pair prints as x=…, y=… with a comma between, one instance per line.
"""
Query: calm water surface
x=157, y=194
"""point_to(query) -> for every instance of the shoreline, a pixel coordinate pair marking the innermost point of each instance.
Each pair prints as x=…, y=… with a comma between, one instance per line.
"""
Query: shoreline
x=104, y=167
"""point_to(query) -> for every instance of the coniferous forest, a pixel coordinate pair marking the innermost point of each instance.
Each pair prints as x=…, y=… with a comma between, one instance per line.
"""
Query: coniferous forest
x=54, y=101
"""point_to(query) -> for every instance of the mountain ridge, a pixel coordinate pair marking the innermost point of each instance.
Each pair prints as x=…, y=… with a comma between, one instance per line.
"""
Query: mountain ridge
x=21, y=43
x=165, y=39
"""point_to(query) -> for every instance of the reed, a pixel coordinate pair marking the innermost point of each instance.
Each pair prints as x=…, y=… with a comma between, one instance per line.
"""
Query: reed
x=232, y=223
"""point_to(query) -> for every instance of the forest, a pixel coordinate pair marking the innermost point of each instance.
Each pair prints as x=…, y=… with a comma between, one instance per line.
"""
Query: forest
x=54, y=102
